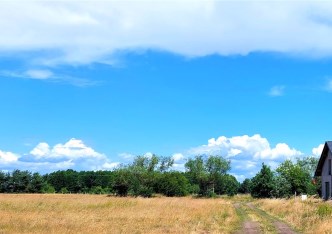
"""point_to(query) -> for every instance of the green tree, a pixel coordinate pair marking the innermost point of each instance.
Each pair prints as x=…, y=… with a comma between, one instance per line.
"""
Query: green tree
x=263, y=183
x=205, y=171
x=36, y=183
x=295, y=175
x=173, y=184
x=245, y=186
x=122, y=182
x=227, y=184
x=282, y=188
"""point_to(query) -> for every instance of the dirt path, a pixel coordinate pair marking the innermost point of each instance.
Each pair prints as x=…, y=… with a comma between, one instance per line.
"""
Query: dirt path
x=256, y=220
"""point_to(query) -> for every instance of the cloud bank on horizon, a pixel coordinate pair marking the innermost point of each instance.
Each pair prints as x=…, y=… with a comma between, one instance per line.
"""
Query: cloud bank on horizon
x=76, y=32
x=247, y=153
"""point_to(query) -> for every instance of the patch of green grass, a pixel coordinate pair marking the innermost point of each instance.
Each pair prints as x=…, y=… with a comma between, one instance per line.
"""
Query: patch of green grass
x=324, y=210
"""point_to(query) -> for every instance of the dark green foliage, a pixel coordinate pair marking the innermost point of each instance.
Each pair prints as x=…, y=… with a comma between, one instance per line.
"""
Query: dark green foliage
x=47, y=188
x=173, y=184
x=205, y=176
x=36, y=184
x=64, y=190
x=245, y=186
x=263, y=183
x=208, y=173
x=122, y=182
x=98, y=190
x=227, y=184
x=295, y=175
x=145, y=191
x=282, y=188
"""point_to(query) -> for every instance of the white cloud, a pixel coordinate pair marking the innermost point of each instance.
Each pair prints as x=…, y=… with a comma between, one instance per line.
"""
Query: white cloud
x=8, y=157
x=254, y=146
x=72, y=154
x=88, y=31
x=41, y=150
x=73, y=149
x=277, y=91
x=148, y=154
x=110, y=166
x=178, y=157
x=318, y=150
x=281, y=150
x=247, y=153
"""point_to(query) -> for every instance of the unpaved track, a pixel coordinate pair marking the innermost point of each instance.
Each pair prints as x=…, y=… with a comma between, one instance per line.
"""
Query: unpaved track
x=257, y=221
x=250, y=227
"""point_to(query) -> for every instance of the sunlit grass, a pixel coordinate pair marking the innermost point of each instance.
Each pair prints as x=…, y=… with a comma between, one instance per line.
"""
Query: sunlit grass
x=56, y=213
x=311, y=216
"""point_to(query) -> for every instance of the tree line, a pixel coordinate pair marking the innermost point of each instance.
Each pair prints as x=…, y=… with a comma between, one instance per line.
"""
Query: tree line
x=145, y=176
x=205, y=176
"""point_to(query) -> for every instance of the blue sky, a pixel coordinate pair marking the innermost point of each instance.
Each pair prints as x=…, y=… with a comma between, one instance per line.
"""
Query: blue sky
x=88, y=85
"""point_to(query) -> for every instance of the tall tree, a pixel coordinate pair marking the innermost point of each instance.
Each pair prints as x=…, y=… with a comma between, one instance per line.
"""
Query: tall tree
x=206, y=171
x=263, y=183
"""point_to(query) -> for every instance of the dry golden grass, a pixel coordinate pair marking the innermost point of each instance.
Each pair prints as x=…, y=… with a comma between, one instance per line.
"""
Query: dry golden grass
x=311, y=216
x=56, y=213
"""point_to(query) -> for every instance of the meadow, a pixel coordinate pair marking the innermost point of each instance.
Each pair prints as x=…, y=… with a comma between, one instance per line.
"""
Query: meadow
x=310, y=216
x=83, y=213
x=79, y=213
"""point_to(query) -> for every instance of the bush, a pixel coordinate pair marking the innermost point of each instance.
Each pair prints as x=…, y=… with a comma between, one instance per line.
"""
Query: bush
x=97, y=190
x=47, y=188
x=64, y=190
x=173, y=184
x=145, y=191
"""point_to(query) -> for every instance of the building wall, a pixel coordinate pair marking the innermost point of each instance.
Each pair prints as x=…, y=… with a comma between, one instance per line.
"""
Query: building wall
x=326, y=178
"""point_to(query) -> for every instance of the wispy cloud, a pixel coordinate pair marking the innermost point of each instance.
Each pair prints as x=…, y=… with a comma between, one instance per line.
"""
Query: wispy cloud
x=48, y=75
x=277, y=91
x=39, y=74
x=329, y=85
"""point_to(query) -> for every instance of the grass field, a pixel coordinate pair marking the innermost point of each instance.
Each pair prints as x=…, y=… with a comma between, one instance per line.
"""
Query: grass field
x=69, y=213
x=56, y=213
x=311, y=216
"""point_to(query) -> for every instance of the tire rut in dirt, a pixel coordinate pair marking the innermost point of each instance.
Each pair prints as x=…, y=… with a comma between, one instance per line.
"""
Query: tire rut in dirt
x=251, y=227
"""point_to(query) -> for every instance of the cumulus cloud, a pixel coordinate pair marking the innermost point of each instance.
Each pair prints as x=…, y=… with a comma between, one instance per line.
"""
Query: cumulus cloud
x=8, y=157
x=74, y=154
x=277, y=91
x=247, y=153
x=73, y=149
x=255, y=146
x=79, y=32
x=178, y=157
x=318, y=150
